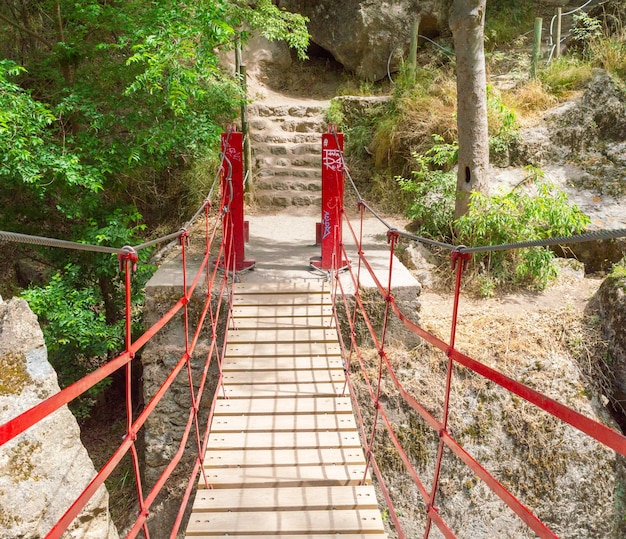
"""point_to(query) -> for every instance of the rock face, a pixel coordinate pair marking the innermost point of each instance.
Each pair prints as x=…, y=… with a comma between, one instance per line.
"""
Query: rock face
x=164, y=428
x=611, y=301
x=44, y=469
x=599, y=115
x=364, y=34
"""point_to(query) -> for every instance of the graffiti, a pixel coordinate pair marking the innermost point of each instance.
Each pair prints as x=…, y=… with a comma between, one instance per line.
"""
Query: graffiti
x=326, y=224
x=233, y=154
x=333, y=160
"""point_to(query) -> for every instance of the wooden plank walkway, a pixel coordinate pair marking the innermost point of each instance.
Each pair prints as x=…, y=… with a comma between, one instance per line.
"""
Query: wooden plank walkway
x=284, y=458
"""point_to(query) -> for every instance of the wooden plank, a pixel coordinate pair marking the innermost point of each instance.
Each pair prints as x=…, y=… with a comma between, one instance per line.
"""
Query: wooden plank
x=268, y=311
x=283, y=457
x=282, y=423
x=284, y=335
x=279, y=535
x=278, y=322
x=302, y=405
x=280, y=287
x=282, y=440
x=283, y=349
x=286, y=499
x=285, y=522
x=272, y=391
x=282, y=363
x=283, y=377
x=282, y=299
x=286, y=476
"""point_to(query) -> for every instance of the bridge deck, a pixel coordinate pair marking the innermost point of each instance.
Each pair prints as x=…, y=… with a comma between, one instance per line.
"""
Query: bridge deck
x=284, y=457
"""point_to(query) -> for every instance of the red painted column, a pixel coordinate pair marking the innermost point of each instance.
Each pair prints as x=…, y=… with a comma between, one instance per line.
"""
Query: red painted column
x=232, y=191
x=329, y=231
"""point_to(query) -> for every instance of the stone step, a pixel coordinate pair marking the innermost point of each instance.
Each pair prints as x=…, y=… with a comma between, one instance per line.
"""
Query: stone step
x=269, y=160
x=286, y=198
x=294, y=172
x=287, y=184
x=297, y=111
x=314, y=124
x=287, y=148
x=286, y=138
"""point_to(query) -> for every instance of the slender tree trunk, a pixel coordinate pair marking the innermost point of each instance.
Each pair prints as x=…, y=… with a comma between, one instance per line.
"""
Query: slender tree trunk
x=467, y=20
x=66, y=69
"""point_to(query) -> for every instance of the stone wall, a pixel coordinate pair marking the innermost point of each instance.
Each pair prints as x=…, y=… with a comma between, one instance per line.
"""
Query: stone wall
x=164, y=428
x=43, y=470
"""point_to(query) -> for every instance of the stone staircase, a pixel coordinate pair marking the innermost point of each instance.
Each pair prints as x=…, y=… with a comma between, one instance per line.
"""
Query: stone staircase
x=286, y=146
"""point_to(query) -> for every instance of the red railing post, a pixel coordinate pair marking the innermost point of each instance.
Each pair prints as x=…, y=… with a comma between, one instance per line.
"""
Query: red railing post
x=232, y=189
x=328, y=232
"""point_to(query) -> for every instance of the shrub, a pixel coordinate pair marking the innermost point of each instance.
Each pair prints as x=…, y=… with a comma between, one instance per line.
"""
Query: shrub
x=518, y=216
x=510, y=217
x=433, y=186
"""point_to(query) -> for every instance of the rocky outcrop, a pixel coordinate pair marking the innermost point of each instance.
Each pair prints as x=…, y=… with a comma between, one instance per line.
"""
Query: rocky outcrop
x=599, y=116
x=611, y=302
x=43, y=470
x=363, y=35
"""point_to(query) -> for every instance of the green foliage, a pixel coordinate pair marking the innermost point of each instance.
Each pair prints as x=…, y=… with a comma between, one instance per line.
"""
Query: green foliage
x=81, y=308
x=509, y=217
x=505, y=20
x=565, y=74
x=275, y=24
x=585, y=30
x=30, y=152
x=334, y=114
x=518, y=216
x=433, y=186
x=503, y=127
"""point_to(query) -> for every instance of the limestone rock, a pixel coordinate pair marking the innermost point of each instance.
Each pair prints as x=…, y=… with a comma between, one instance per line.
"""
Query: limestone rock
x=599, y=115
x=364, y=34
x=44, y=469
x=611, y=300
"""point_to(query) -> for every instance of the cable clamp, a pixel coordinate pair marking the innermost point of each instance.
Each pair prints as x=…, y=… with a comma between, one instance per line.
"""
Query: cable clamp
x=458, y=254
x=392, y=235
x=183, y=237
x=128, y=253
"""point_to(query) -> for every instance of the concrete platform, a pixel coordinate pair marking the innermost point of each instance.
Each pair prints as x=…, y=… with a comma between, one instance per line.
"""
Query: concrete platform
x=283, y=245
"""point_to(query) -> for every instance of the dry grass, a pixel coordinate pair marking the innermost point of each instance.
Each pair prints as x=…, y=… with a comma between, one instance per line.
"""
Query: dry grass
x=529, y=100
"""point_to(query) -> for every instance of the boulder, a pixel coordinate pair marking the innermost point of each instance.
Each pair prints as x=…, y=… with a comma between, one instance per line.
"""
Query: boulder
x=599, y=116
x=364, y=35
x=44, y=469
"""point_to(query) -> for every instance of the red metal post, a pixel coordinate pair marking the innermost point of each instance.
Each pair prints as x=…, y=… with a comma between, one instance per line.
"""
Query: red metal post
x=328, y=232
x=232, y=189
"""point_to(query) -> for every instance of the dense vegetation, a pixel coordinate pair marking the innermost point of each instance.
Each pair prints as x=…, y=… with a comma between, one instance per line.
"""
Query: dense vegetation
x=110, y=114
x=410, y=143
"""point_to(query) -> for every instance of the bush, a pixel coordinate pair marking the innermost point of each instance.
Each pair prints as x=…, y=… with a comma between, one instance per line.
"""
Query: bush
x=433, y=186
x=510, y=217
x=518, y=216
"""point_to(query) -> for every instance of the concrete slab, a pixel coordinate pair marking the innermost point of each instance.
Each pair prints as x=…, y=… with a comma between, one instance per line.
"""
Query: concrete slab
x=283, y=245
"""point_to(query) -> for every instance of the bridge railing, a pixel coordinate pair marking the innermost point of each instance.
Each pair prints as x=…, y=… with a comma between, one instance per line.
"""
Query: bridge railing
x=355, y=311
x=218, y=268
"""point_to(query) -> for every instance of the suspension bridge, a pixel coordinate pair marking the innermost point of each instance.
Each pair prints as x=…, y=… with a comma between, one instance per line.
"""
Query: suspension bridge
x=288, y=447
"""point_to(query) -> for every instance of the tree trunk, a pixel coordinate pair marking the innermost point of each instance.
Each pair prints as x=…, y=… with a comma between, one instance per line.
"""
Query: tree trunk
x=467, y=19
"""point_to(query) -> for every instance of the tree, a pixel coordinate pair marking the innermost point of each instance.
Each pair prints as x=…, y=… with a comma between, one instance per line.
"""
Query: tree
x=467, y=22
x=103, y=104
